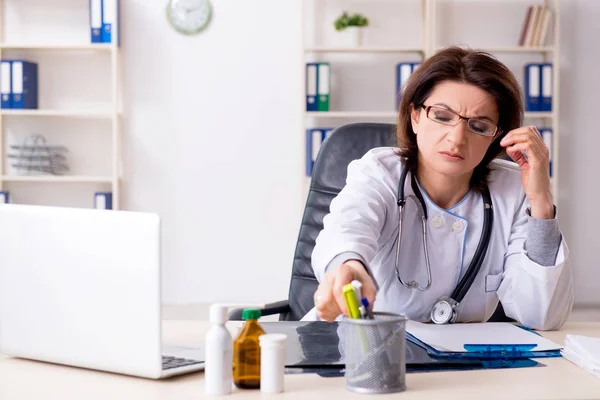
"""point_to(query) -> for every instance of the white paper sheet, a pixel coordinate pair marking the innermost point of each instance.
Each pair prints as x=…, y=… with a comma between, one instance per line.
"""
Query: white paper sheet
x=583, y=351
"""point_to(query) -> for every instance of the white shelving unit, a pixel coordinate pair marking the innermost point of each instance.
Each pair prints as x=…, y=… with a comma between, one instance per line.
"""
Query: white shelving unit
x=110, y=113
x=429, y=31
x=57, y=179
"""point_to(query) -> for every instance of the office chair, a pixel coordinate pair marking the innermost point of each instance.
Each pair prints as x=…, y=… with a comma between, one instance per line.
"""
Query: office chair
x=346, y=143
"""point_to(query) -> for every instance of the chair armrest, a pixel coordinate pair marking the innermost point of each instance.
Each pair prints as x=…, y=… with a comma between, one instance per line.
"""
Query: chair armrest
x=269, y=309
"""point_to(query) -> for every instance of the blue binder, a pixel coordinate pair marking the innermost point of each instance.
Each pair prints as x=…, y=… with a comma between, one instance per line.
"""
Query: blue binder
x=548, y=140
x=96, y=21
x=24, y=84
x=546, y=87
x=3, y=197
x=103, y=200
x=533, y=82
x=314, y=139
x=311, y=86
x=109, y=8
x=403, y=71
x=5, y=84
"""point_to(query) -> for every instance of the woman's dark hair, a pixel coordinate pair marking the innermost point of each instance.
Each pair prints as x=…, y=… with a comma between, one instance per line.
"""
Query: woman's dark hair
x=466, y=66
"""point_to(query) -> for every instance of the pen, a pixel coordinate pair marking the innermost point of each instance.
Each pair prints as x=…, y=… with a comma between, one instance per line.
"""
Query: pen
x=368, y=312
x=350, y=299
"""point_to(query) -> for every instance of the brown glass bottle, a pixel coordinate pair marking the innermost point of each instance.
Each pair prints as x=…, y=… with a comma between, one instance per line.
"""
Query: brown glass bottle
x=246, y=352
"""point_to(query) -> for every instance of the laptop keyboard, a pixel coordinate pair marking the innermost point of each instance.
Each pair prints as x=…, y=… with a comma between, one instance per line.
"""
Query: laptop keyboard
x=169, y=362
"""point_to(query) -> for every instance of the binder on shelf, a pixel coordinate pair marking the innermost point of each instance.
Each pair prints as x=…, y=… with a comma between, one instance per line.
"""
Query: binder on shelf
x=96, y=20
x=110, y=11
x=323, y=85
x=546, y=87
x=24, y=84
x=532, y=86
x=3, y=197
x=311, y=87
x=5, y=84
x=403, y=71
x=548, y=139
x=103, y=200
x=314, y=139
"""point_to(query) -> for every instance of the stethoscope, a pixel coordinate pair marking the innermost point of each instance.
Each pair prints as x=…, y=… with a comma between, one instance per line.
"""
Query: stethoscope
x=444, y=309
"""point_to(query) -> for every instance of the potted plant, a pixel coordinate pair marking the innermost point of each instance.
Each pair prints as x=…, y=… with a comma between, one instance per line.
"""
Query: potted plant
x=353, y=25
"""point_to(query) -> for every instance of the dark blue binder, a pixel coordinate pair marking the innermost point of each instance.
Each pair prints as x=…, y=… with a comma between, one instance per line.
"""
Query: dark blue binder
x=103, y=200
x=546, y=87
x=24, y=84
x=96, y=21
x=311, y=86
x=533, y=83
x=403, y=71
x=3, y=197
x=5, y=84
x=547, y=137
x=314, y=138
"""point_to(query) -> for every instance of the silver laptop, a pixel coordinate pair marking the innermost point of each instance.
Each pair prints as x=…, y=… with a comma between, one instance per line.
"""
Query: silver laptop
x=81, y=287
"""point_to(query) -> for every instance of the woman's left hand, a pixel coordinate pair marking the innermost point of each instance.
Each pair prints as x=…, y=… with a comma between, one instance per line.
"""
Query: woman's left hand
x=535, y=168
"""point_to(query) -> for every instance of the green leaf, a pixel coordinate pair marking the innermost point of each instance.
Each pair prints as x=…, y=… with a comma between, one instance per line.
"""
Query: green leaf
x=344, y=21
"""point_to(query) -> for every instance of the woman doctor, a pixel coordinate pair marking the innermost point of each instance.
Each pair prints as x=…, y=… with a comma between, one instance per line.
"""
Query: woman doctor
x=492, y=232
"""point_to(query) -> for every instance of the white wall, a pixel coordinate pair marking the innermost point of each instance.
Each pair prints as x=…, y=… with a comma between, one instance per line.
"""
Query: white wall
x=214, y=144
x=580, y=144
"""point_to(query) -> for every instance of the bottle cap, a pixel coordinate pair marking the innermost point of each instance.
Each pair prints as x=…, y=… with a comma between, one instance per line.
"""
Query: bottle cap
x=251, y=313
x=218, y=313
x=272, y=339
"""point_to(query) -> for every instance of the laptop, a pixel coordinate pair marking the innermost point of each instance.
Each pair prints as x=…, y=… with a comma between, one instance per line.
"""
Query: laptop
x=82, y=287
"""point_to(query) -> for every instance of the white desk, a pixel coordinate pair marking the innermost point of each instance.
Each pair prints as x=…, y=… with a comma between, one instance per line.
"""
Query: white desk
x=560, y=379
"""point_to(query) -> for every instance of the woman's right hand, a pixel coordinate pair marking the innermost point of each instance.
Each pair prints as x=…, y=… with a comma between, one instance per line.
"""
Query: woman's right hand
x=329, y=297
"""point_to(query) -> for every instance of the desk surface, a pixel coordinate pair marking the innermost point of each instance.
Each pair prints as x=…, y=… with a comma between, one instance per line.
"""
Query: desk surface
x=560, y=379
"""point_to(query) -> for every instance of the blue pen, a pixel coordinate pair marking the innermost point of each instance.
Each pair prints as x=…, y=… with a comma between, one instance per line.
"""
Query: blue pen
x=368, y=312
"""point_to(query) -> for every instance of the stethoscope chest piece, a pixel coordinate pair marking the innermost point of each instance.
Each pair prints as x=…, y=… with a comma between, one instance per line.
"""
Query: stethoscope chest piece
x=444, y=311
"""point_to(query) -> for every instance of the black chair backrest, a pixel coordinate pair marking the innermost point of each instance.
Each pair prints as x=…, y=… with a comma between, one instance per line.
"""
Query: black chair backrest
x=346, y=143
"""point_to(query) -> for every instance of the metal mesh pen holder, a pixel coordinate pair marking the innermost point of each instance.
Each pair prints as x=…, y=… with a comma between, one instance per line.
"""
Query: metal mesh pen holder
x=374, y=353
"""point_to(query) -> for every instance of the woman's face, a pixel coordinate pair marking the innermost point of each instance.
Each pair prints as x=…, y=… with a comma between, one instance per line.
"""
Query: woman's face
x=455, y=150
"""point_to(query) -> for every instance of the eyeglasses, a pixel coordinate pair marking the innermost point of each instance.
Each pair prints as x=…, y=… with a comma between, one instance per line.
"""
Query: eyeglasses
x=444, y=116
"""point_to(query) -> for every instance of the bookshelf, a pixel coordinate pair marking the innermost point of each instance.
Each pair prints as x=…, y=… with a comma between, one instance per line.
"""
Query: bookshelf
x=88, y=123
x=431, y=31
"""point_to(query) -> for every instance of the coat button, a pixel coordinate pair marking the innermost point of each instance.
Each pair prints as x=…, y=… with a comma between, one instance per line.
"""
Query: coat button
x=437, y=221
x=458, y=226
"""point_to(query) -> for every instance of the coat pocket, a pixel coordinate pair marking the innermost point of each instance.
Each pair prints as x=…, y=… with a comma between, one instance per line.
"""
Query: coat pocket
x=492, y=282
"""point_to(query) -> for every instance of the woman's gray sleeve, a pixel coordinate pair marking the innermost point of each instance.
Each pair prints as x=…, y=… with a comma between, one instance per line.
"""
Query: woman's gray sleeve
x=543, y=239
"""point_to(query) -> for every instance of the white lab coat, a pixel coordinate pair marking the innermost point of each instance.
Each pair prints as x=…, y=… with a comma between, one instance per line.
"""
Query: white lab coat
x=363, y=224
